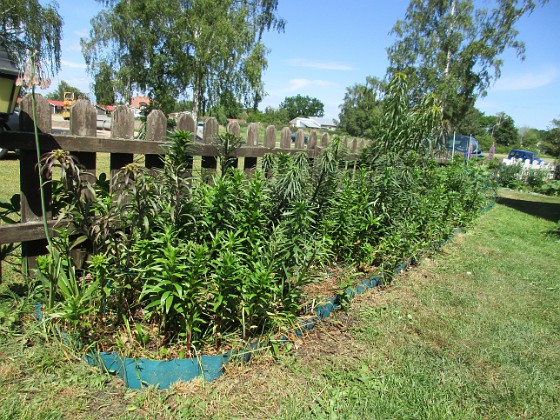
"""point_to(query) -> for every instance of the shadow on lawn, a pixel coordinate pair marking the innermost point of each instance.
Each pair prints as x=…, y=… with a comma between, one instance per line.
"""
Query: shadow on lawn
x=548, y=211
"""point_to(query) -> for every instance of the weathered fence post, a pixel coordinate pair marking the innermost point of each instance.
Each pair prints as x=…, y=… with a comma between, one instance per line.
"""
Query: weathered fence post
x=233, y=128
x=300, y=139
x=312, y=140
x=286, y=138
x=122, y=127
x=209, y=163
x=83, y=122
x=270, y=143
x=250, y=162
x=354, y=145
x=361, y=145
x=186, y=123
x=270, y=137
x=30, y=180
x=156, y=130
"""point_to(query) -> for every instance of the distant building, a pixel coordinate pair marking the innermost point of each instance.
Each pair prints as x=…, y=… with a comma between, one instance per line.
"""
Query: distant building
x=301, y=122
x=104, y=109
x=326, y=123
x=56, y=106
x=314, y=122
x=139, y=102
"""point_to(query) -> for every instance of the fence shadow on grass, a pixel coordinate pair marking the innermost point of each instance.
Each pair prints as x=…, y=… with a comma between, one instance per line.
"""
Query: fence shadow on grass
x=548, y=211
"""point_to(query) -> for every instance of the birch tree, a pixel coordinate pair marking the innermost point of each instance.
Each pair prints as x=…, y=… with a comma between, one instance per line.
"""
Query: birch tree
x=453, y=48
x=174, y=48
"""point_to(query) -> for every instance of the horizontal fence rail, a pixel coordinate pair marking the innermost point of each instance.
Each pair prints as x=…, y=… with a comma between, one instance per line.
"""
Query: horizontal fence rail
x=122, y=146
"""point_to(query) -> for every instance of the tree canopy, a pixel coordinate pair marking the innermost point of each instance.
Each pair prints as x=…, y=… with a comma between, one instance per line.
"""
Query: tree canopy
x=452, y=48
x=361, y=110
x=302, y=106
x=103, y=87
x=211, y=49
x=504, y=131
x=29, y=25
x=551, y=144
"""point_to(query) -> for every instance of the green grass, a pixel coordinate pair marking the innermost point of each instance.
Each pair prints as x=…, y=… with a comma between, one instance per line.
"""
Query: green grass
x=471, y=332
x=9, y=177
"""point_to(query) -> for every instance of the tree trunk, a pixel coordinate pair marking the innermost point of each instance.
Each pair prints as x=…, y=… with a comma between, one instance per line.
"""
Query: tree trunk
x=449, y=32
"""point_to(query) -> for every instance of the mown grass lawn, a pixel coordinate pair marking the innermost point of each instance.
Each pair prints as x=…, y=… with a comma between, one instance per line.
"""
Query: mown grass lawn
x=472, y=331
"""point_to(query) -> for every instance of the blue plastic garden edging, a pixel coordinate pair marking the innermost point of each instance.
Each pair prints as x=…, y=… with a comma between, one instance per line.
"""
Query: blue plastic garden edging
x=138, y=373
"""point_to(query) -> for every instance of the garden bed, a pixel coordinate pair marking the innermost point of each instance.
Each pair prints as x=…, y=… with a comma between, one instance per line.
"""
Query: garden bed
x=202, y=272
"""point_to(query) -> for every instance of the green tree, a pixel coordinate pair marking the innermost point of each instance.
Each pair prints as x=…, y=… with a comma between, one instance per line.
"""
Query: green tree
x=103, y=86
x=361, y=110
x=29, y=25
x=58, y=94
x=474, y=123
x=504, y=132
x=452, y=48
x=168, y=49
x=551, y=144
x=529, y=138
x=263, y=18
x=270, y=116
x=302, y=106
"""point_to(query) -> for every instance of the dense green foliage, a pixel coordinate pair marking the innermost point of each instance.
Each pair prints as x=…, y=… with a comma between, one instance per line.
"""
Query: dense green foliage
x=9, y=214
x=103, y=85
x=209, y=49
x=361, y=110
x=504, y=131
x=31, y=25
x=184, y=264
x=302, y=106
x=270, y=116
x=404, y=127
x=551, y=144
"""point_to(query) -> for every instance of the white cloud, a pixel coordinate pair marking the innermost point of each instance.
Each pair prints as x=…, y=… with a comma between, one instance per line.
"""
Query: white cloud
x=527, y=81
x=322, y=65
x=72, y=65
x=299, y=84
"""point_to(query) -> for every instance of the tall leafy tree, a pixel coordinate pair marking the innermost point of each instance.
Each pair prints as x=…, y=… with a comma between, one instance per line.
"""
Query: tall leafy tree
x=529, y=138
x=103, y=86
x=171, y=48
x=263, y=18
x=31, y=25
x=361, y=110
x=302, y=106
x=504, y=131
x=551, y=144
x=452, y=48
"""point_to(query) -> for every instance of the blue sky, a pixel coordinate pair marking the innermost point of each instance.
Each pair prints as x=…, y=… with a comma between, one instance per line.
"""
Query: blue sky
x=329, y=45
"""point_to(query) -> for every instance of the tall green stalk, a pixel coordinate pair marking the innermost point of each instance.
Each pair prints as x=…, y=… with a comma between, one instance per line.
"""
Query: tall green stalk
x=42, y=192
x=40, y=169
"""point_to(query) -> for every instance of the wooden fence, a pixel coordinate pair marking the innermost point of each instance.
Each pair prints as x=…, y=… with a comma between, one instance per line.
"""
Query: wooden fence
x=82, y=142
